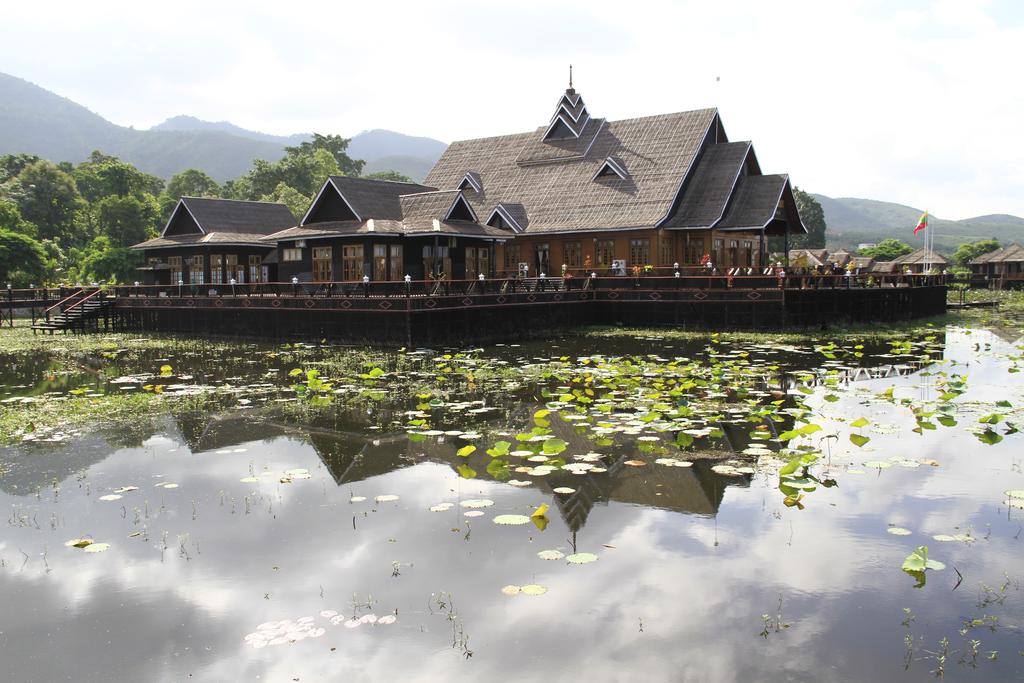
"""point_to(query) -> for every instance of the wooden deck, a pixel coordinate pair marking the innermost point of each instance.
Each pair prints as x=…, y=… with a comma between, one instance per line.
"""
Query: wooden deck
x=418, y=313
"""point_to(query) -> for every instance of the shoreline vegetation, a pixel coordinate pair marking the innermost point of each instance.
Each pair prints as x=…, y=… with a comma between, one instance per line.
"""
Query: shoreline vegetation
x=56, y=414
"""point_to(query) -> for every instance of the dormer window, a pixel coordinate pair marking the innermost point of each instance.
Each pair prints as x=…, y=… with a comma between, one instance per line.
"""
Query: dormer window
x=504, y=218
x=611, y=168
x=460, y=210
x=471, y=181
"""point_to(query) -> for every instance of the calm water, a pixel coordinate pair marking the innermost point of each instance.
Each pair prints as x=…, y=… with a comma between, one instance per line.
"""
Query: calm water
x=700, y=576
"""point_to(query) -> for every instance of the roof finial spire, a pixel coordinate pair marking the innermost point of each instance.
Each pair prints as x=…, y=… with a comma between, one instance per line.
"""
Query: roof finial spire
x=570, y=77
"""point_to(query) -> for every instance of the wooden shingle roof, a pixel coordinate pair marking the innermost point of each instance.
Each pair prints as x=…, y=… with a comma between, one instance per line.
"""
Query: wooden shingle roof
x=375, y=198
x=754, y=202
x=920, y=256
x=1009, y=254
x=710, y=186
x=236, y=216
x=554, y=180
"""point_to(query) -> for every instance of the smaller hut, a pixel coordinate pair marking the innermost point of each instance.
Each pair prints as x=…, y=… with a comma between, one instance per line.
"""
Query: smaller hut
x=1002, y=266
x=921, y=261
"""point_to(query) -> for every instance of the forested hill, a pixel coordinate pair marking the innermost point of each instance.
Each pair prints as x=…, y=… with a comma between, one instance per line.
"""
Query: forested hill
x=852, y=221
x=36, y=121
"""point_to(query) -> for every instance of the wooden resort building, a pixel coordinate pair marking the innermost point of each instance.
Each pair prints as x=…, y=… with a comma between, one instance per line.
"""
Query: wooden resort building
x=577, y=195
x=920, y=261
x=1001, y=268
x=214, y=241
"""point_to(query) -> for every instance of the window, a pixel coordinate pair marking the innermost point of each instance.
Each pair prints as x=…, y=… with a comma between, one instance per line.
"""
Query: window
x=380, y=262
x=542, y=252
x=511, y=257
x=667, y=244
x=693, y=251
x=175, y=263
x=397, y=262
x=734, y=254
x=291, y=255
x=604, y=250
x=639, y=252
x=323, y=270
x=718, y=252
x=748, y=253
x=573, y=254
x=443, y=265
x=255, y=268
x=195, y=269
x=216, y=269
x=235, y=271
x=352, y=262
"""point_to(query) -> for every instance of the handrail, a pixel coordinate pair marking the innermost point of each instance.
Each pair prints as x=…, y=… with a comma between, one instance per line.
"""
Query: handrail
x=82, y=300
x=78, y=291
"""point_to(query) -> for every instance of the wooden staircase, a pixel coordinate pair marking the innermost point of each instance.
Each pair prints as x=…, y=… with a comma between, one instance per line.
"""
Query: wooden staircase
x=74, y=312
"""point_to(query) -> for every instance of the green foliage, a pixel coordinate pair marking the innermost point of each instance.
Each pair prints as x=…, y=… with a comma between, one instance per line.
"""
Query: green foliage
x=189, y=183
x=336, y=146
x=887, y=250
x=813, y=218
x=394, y=176
x=103, y=261
x=12, y=221
x=102, y=175
x=296, y=202
x=47, y=197
x=22, y=259
x=969, y=251
x=127, y=220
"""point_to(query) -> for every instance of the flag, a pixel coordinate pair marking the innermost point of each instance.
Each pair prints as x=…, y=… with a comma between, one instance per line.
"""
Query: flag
x=922, y=223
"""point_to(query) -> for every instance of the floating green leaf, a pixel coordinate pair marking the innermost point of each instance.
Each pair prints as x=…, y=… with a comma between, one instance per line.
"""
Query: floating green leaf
x=918, y=561
x=465, y=451
x=859, y=440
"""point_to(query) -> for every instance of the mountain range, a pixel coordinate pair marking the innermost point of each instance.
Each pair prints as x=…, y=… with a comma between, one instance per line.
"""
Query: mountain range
x=852, y=221
x=36, y=121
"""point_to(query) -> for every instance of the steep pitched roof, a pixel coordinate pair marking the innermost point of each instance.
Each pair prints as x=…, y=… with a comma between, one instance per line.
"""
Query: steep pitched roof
x=554, y=179
x=755, y=202
x=234, y=239
x=710, y=186
x=233, y=215
x=986, y=257
x=1009, y=254
x=921, y=255
x=365, y=197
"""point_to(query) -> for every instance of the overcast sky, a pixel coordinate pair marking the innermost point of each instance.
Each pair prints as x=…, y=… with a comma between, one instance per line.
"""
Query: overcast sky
x=914, y=101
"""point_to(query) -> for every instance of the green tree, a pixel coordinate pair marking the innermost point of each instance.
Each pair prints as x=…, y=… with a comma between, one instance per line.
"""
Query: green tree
x=47, y=197
x=297, y=202
x=813, y=218
x=189, y=183
x=22, y=259
x=303, y=170
x=12, y=221
x=887, y=250
x=389, y=175
x=127, y=220
x=102, y=175
x=969, y=251
x=102, y=261
x=11, y=165
x=337, y=146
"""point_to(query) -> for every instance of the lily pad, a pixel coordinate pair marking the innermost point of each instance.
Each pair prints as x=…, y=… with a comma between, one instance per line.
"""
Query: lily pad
x=111, y=496
x=386, y=498
x=877, y=464
x=473, y=513
x=581, y=558
x=533, y=589
x=511, y=520
x=511, y=590
x=565, y=490
x=97, y=547
x=918, y=561
x=550, y=555
x=441, y=507
x=899, y=531
x=477, y=503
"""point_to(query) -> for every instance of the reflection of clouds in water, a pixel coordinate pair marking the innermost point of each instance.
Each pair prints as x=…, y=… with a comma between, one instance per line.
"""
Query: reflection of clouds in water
x=700, y=603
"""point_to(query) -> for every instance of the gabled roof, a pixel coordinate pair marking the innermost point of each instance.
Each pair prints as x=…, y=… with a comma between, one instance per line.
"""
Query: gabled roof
x=234, y=239
x=364, y=197
x=1009, y=254
x=757, y=201
x=711, y=184
x=553, y=180
x=231, y=215
x=921, y=255
x=514, y=215
x=811, y=258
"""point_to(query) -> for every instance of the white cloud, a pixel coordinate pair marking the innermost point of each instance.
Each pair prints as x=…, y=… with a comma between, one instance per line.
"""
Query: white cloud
x=914, y=104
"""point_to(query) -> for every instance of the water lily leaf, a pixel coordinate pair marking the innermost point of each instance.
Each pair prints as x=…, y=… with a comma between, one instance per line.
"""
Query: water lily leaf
x=564, y=490
x=918, y=561
x=500, y=449
x=1015, y=493
x=249, y=480
x=540, y=511
x=472, y=513
x=111, y=496
x=465, y=451
x=989, y=437
x=386, y=498
x=858, y=440
x=877, y=464
x=477, y=503
x=533, y=589
x=550, y=555
x=511, y=520
x=581, y=558
x=97, y=547
x=899, y=531
x=860, y=422
x=635, y=463
x=166, y=370
x=78, y=542
x=684, y=440
x=442, y=507
x=511, y=590
x=553, y=446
